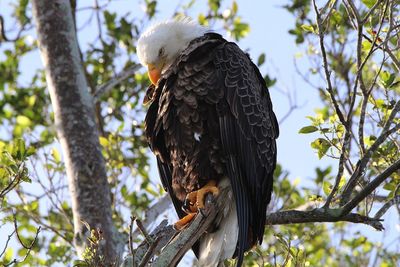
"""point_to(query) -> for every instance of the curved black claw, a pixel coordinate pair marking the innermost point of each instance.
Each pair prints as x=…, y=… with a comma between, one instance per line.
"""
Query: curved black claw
x=187, y=206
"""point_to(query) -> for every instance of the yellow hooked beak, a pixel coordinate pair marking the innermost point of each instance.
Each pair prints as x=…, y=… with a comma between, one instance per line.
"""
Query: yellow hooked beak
x=154, y=71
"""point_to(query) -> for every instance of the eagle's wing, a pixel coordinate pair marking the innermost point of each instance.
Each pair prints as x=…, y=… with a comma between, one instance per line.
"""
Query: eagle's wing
x=166, y=180
x=248, y=129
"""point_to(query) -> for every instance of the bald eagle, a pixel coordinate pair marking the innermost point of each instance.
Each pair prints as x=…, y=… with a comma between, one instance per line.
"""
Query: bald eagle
x=211, y=126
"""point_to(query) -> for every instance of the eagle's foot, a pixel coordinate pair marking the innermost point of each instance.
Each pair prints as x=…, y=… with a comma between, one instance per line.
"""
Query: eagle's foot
x=179, y=225
x=195, y=200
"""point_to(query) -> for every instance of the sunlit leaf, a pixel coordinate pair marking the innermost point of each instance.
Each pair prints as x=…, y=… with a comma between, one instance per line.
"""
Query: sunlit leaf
x=327, y=187
x=23, y=121
x=369, y=3
x=308, y=129
x=56, y=155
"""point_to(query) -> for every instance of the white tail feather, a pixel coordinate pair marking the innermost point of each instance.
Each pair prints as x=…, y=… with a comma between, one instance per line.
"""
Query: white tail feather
x=220, y=245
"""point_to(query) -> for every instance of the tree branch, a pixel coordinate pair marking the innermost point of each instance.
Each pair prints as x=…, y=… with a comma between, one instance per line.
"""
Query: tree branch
x=386, y=206
x=3, y=35
x=326, y=68
x=178, y=242
x=152, y=213
x=171, y=255
x=371, y=187
x=320, y=215
x=120, y=77
x=361, y=165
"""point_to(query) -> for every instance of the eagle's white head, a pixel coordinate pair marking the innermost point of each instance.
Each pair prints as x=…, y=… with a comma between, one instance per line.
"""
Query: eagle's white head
x=160, y=44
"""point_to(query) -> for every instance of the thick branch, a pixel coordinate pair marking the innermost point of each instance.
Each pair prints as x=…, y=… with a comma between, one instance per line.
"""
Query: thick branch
x=319, y=215
x=171, y=254
x=178, y=243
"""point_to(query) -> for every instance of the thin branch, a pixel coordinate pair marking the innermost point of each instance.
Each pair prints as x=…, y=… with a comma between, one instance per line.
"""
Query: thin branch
x=6, y=245
x=163, y=230
x=28, y=248
x=152, y=213
x=370, y=11
x=361, y=165
x=371, y=187
x=386, y=206
x=144, y=232
x=120, y=77
x=3, y=35
x=99, y=26
x=131, y=238
x=354, y=11
x=326, y=67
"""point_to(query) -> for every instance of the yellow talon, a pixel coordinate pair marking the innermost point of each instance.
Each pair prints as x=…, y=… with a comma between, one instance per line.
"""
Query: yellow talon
x=195, y=201
x=179, y=225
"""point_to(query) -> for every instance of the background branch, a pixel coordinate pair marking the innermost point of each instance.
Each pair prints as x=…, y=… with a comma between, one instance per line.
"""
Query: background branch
x=120, y=77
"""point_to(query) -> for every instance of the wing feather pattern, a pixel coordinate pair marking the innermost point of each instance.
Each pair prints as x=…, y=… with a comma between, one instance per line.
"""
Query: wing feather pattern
x=248, y=129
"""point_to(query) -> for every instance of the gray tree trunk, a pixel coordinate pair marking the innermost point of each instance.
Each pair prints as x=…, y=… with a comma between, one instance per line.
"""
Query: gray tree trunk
x=76, y=127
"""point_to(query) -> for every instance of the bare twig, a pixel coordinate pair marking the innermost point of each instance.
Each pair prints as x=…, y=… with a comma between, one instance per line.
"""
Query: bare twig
x=150, y=252
x=6, y=245
x=370, y=11
x=131, y=239
x=3, y=35
x=386, y=206
x=147, y=237
x=27, y=247
x=152, y=213
x=326, y=67
x=14, y=181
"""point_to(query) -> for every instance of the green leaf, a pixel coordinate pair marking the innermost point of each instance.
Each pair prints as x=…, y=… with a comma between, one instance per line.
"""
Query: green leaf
x=80, y=263
x=103, y=141
x=234, y=7
x=366, y=46
x=23, y=121
x=322, y=146
x=19, y=149
x=8, y=255
x=327, y=187
x=387, y=79
x=202, y=19
x=369, y=3
x=307, y=28
x=308, y=129
x=31, y=150
x=261, y=59
x=56, y=155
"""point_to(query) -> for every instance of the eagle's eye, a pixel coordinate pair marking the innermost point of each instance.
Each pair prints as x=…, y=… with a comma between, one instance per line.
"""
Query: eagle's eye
x=161, y=52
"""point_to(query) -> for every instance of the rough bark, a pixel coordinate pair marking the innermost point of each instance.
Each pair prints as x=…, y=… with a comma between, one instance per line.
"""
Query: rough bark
x=75, y=124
